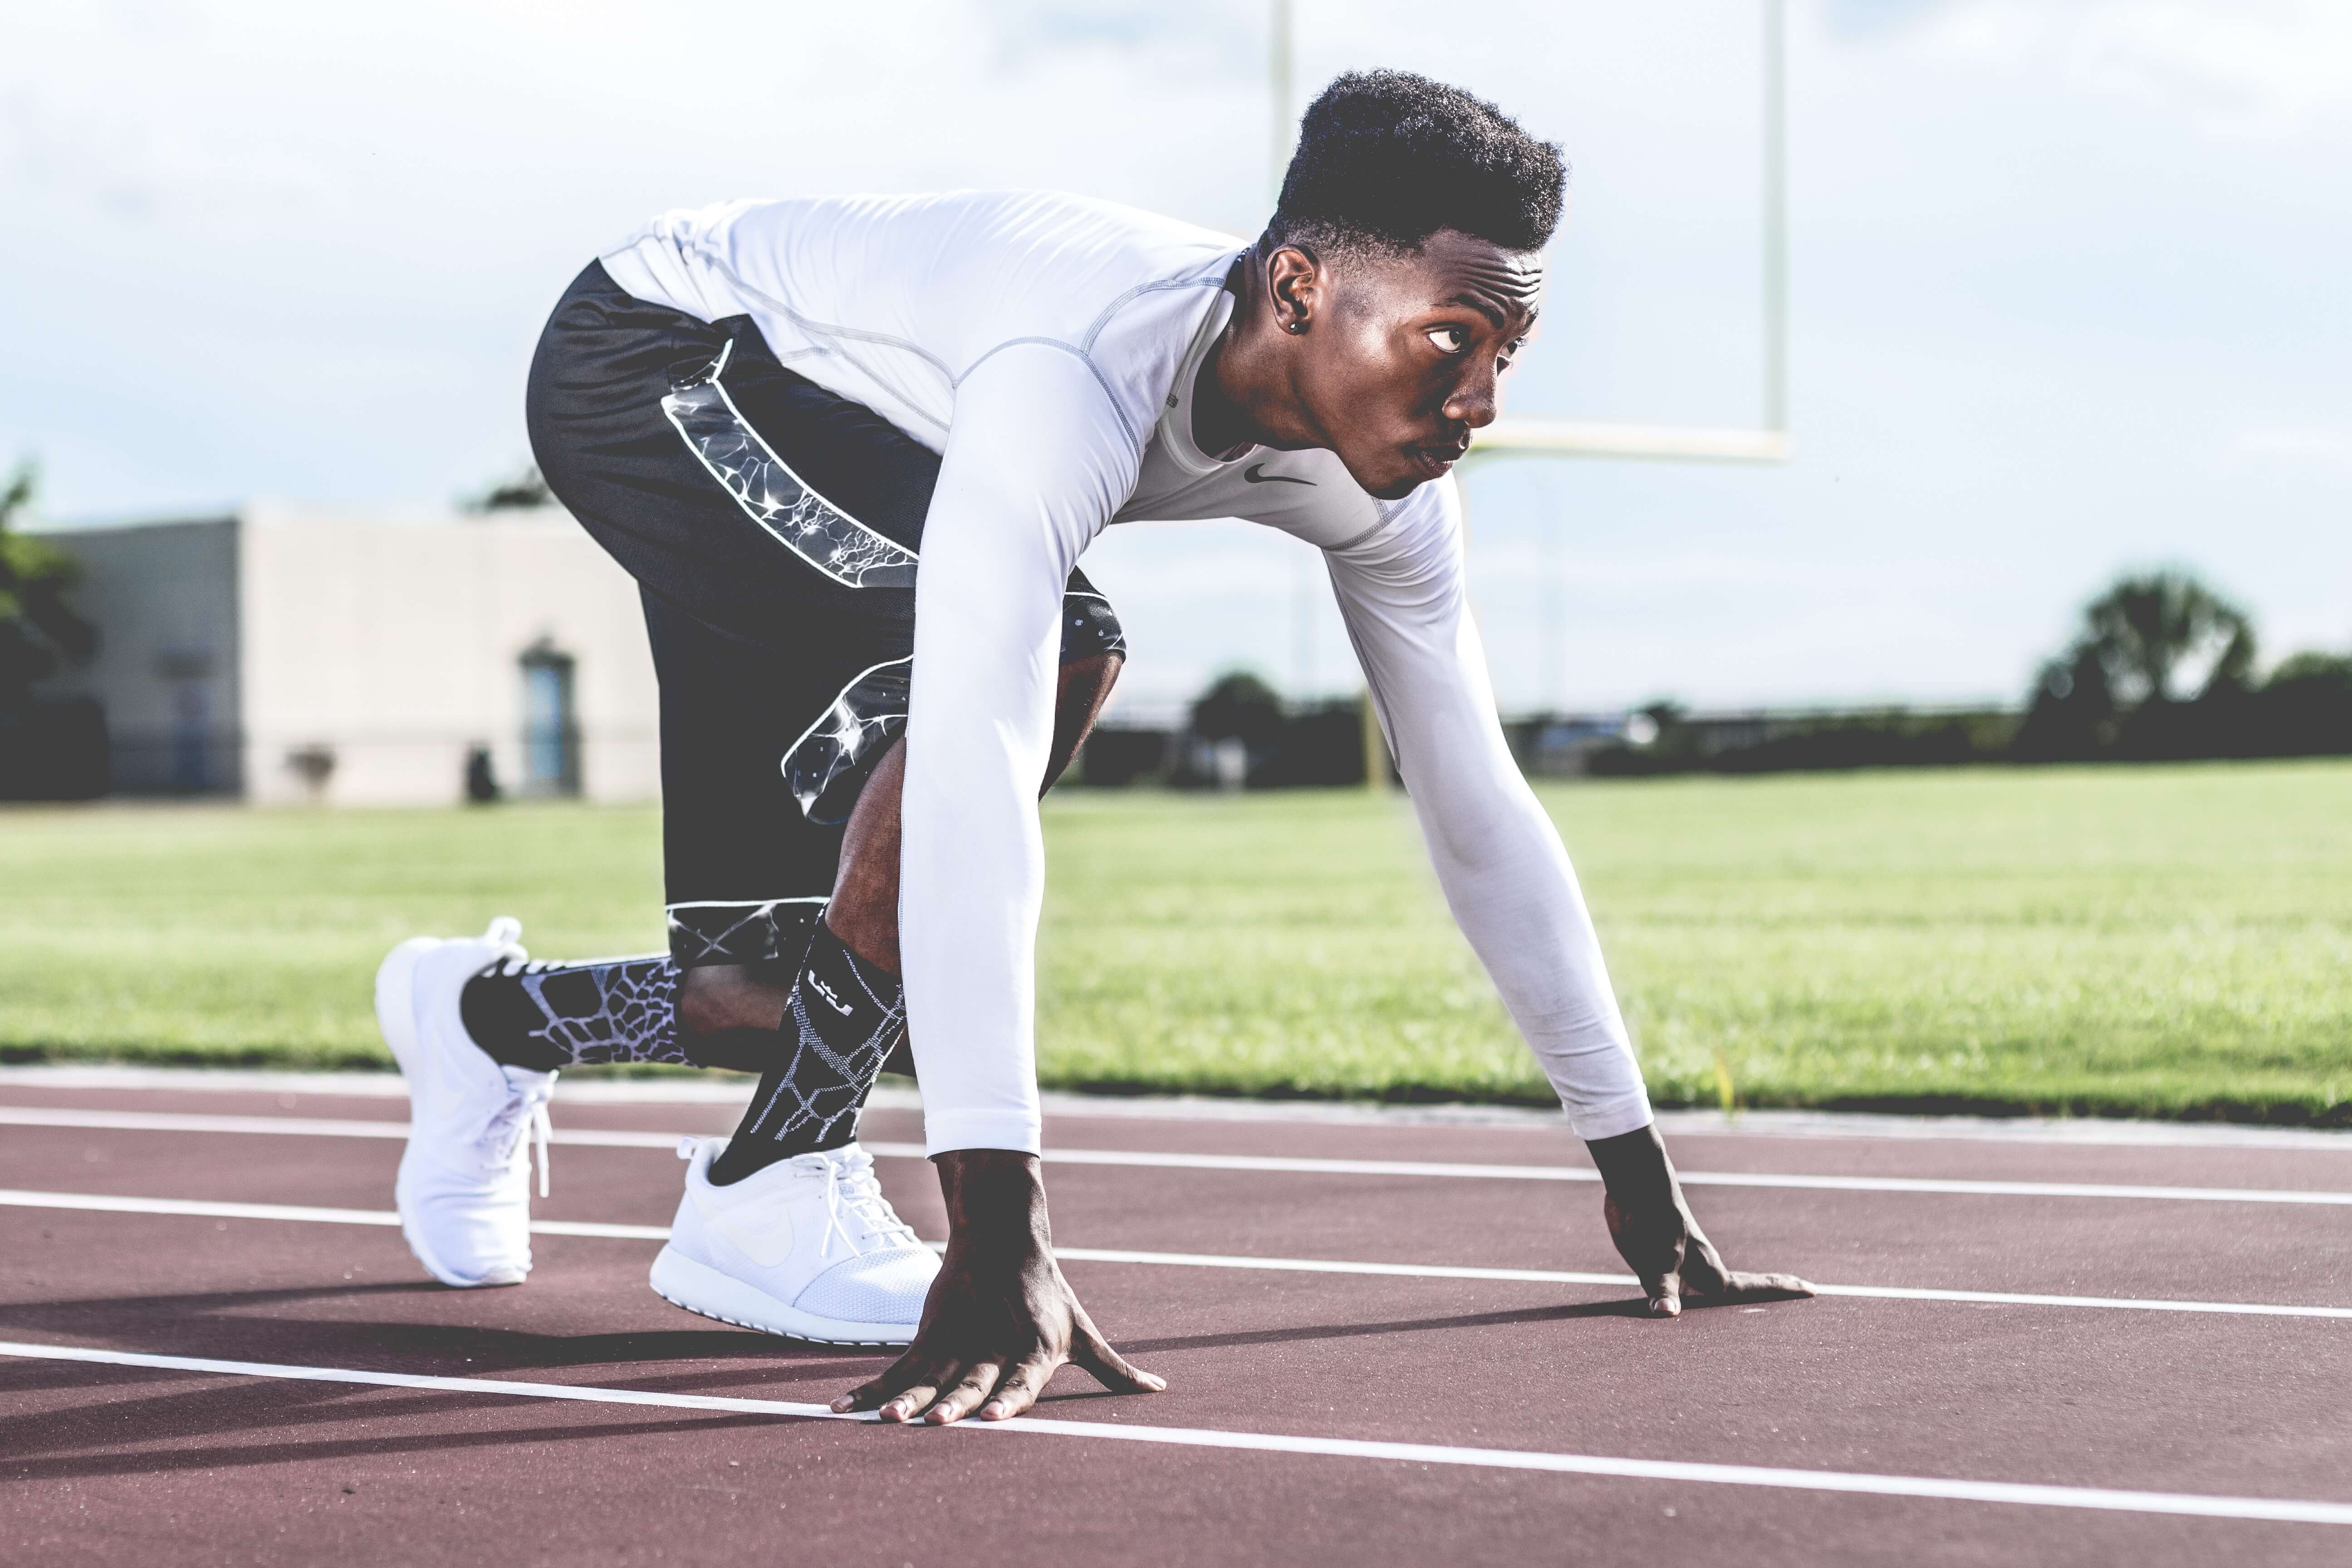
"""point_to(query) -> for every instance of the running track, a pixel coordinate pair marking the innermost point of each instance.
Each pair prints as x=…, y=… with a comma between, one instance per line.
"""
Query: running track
x=1390, y=1339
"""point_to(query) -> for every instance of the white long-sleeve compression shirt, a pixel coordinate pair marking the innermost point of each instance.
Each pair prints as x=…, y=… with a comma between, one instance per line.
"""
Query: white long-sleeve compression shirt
x=1046, y=346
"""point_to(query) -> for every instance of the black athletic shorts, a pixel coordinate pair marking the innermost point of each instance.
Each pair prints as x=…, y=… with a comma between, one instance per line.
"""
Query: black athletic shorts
x=772, y=527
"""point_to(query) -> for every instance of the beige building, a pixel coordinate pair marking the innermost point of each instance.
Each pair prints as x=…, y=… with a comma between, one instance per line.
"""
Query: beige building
x=289, y=653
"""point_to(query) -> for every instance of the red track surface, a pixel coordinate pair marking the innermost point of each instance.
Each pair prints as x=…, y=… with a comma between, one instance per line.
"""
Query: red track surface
x=150, y=1464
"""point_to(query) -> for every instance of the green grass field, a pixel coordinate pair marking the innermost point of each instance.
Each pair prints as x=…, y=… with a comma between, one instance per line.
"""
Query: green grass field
x=2137, y=941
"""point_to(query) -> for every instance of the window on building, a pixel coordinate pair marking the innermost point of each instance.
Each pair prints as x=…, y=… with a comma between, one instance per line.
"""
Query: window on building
x=551, y=730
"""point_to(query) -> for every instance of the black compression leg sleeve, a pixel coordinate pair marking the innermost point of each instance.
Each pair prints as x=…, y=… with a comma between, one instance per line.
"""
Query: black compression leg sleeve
x=843, y=1017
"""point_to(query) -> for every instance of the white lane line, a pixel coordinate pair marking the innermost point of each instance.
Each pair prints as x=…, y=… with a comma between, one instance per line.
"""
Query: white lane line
x=591, y=1137
x=602, y=1228
x=2017, y=1189
x=1565, y=1277
x=203, y=1208
x=105, y=1203
x=285, y=1126
x=1690, y=1178
x=704, y=1090
x=174, y=1121
x=2108, y=1500
x=109, y=1203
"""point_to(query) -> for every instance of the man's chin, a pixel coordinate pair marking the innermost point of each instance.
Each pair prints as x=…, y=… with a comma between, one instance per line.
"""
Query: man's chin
x=1386, y=478
x=1390, y=482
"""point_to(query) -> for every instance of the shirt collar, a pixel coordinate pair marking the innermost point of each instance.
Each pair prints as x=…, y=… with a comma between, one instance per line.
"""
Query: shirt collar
x=1176, y=411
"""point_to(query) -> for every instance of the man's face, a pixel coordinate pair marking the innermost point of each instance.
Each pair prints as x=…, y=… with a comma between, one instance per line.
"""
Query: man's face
x=1402, y=354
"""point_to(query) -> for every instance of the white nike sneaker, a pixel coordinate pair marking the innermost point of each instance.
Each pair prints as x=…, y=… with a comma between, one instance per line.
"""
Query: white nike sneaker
x=464, y=1190
x=808, y=1247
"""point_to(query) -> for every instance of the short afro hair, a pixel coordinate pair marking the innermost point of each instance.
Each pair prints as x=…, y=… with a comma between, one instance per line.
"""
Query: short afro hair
x=1387, y=158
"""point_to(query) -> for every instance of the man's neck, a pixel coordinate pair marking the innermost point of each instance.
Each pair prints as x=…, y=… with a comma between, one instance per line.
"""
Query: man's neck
x=1240, y=395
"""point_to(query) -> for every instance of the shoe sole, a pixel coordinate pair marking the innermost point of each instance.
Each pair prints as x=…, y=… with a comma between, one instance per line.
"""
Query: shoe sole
x=706, y=1292
x=396, y=1018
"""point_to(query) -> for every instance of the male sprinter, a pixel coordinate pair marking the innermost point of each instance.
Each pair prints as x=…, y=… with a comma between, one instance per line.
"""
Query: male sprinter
x=769, y=413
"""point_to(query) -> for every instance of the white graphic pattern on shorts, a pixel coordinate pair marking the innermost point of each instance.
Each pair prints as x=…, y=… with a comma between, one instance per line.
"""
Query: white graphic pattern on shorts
x=753, y=932
x=772, y=496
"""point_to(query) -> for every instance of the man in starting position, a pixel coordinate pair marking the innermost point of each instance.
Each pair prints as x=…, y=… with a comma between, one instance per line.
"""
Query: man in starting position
x=769, y=413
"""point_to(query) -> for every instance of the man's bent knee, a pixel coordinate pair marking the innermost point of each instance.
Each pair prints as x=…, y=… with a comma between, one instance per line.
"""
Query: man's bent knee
x=1084, y=686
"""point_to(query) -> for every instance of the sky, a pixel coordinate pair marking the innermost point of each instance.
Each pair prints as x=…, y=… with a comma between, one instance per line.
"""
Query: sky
x=2068, y=286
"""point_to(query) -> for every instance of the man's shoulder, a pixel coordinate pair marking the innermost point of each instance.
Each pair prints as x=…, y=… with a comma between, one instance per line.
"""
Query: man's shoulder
x=1057, y=213
x=1044, y=227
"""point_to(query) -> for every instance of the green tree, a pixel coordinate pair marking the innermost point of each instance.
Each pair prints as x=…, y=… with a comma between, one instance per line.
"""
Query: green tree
x=1241, y=707
x=2148, y=632
x=39, y=633
x=2122, y=685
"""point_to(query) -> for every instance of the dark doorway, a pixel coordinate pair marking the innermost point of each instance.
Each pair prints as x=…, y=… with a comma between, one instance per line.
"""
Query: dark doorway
x=551, y=730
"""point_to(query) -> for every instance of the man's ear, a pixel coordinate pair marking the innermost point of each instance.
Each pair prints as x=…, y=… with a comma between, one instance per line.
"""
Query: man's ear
x=1295, y=287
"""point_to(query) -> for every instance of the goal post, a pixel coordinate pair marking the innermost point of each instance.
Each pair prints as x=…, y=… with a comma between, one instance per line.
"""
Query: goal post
x=1655, y=443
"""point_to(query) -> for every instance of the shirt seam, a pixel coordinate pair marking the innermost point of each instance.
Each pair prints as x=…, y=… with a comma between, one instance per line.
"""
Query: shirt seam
x=1386, y=517
x=828, y=330
x=1158, y=286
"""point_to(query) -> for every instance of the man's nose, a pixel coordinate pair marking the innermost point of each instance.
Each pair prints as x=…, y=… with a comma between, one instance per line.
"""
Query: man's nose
x=1477, y=400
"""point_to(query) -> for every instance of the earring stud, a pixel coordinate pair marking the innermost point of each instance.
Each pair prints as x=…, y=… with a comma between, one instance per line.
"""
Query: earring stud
x=1298, y=326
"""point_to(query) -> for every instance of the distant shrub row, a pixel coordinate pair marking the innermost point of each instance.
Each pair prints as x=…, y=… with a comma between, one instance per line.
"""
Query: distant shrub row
x=2163, y=668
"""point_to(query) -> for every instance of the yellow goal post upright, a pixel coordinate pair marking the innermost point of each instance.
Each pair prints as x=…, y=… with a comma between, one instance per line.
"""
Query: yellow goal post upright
x=1768, y=442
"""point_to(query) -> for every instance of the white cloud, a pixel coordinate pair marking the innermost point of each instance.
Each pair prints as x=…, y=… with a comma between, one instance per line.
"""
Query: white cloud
x=2326, y=444
x=2253, y=70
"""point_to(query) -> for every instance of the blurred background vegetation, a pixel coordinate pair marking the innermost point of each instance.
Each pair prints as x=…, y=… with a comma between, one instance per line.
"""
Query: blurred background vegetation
x=2169, y=940
x=2162, y=667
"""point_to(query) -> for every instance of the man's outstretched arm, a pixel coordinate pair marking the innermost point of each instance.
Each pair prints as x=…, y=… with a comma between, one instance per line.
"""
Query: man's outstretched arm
x=1507, y=879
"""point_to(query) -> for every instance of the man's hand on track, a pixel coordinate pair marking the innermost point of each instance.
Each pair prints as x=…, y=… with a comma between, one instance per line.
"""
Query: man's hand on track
x=1658, y=1236
x=1001, y=1320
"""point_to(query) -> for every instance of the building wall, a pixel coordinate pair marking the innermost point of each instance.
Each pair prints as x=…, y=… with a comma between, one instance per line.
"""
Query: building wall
x=164, y=599
x=391, y=648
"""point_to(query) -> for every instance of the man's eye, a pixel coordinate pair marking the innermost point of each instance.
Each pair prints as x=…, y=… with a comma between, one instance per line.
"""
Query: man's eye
x=1449, y=340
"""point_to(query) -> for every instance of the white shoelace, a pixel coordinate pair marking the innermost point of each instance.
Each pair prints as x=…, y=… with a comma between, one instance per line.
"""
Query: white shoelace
x=523, y=1114
x=849, y=1183
x=525, y=1111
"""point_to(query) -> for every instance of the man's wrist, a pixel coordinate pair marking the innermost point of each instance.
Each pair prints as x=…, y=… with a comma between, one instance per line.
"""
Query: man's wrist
x=1634, y=1168
x=946, y=1131
x=995, y=1199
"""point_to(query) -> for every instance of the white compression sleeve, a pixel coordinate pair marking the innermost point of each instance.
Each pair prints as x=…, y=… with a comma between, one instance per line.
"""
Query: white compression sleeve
x=1036, y=462
x=1504, y=871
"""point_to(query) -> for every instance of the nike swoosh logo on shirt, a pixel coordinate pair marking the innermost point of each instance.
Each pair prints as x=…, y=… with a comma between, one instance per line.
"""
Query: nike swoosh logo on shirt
x=1256, y=473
